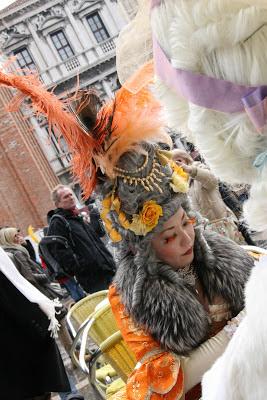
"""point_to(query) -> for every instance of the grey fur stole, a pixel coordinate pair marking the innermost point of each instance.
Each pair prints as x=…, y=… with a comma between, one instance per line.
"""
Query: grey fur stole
x=167, y=306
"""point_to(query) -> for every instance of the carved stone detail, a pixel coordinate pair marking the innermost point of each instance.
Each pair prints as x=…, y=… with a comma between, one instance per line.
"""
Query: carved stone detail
x=44, y=18
x=15, y=34
x=78, y=5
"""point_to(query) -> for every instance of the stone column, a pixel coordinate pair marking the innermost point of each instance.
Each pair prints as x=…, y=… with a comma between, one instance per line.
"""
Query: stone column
x=80, y=35
x=107, y=89
x=38, y=42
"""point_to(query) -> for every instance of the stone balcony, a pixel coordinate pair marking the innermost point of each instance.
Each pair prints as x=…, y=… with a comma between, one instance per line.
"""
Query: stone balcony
x=79, y=63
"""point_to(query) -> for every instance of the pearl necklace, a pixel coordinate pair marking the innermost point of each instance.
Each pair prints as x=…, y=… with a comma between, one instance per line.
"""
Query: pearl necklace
x=188, y=274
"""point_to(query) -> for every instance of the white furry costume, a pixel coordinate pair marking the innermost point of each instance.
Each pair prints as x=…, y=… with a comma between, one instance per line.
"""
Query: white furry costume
x=240, y=373
x=224, y=39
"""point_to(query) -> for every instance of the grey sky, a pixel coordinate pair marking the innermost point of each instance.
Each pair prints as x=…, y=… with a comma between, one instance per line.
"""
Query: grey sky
x=5, y=3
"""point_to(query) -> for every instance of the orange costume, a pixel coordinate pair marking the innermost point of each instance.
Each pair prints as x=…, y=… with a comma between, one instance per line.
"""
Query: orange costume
x=158, y=373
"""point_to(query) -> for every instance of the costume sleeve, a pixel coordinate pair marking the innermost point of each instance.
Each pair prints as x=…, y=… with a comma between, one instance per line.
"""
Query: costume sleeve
x=97, y=223
x=204, y=176
x=201, y=359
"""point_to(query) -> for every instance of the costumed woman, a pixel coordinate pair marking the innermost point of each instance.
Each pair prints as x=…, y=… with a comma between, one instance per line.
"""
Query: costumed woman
x=31, y=365
x=176, y=286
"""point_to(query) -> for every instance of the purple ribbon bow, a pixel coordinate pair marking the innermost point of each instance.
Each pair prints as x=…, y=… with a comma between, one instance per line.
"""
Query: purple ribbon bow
x=212, y=93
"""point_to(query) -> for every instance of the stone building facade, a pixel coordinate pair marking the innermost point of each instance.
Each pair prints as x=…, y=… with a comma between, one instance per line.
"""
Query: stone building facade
x=62, y=40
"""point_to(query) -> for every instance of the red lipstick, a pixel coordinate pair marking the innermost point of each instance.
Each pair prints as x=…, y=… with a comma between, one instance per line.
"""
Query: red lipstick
x=188, y=252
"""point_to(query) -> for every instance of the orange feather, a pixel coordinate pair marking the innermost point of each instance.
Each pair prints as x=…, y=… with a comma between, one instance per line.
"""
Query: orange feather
x=120, y=125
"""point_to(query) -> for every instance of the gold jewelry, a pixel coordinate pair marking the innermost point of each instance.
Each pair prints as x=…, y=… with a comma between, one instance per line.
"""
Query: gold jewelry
x=125, y=171
x=149, y=182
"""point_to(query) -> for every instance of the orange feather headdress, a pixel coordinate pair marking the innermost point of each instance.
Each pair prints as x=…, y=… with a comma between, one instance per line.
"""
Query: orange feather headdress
x=96, y=134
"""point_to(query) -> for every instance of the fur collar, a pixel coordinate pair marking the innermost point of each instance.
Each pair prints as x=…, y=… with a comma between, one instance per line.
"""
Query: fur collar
x=168, y=308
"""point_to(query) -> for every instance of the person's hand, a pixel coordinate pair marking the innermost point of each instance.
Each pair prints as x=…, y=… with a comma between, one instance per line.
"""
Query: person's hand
x=187, y=168
x=234, y=323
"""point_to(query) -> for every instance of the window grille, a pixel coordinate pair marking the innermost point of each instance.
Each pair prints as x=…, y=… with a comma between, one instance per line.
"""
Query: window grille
x=97, y=27
x=62, y=45
x=24, y=59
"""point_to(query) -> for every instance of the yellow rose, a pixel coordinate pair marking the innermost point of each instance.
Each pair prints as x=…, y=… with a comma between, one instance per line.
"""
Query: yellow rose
x=179, y=184
x=151, y=213
x=179, y=170
x=147, y=219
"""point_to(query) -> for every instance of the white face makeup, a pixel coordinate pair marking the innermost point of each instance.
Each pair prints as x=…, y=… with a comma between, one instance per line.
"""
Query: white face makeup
x=174, y=244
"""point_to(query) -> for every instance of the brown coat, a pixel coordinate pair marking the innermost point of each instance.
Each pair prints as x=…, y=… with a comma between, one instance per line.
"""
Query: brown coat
x=29, y=270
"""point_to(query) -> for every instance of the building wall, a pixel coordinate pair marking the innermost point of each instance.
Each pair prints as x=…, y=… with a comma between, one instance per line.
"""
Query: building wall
x=32, y=163
x=30, y=24
x=26, y=176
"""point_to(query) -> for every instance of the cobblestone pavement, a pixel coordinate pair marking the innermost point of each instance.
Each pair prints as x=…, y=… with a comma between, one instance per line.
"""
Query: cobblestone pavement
x=82, y=383
x=79, y=378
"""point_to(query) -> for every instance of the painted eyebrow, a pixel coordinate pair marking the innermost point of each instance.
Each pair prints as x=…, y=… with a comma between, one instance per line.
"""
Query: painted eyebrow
x=168, y=229
x=172, y=227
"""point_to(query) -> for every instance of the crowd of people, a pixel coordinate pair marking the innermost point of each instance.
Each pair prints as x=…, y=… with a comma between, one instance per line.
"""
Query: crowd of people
x=86, y=267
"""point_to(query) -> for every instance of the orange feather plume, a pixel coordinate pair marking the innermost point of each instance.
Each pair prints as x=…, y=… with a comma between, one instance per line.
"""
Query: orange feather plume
x=60, y=120
x=136, y=118
x=117, y=127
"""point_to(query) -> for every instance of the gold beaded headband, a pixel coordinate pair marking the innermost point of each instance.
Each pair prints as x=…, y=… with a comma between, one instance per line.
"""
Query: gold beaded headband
x=148, y=217
x=149, y=182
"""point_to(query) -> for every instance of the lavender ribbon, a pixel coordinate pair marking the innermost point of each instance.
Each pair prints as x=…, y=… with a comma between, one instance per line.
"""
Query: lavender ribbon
x=255, y=104
x=155, y=3
x=212, y=93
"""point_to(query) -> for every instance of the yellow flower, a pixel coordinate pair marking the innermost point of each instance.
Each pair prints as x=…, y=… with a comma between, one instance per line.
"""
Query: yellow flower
x=147, y=219
x=179, y=170
x=179, y=184
x=113, y=234
x=151, y=213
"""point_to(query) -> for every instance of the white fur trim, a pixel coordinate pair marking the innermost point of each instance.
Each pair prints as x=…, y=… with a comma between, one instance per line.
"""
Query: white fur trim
x=217, y=38
x=240, y=373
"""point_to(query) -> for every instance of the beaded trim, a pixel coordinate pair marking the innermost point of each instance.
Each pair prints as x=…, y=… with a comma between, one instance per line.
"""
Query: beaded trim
x=149, y=182
x=125, y=171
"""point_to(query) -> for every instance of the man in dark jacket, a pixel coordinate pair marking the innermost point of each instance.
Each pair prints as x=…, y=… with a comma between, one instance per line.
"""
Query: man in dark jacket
x=93, y=264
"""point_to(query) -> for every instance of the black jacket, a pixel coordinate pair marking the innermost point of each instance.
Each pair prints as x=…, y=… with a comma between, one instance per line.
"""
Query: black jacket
x=96, y=266
x=30, y=361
